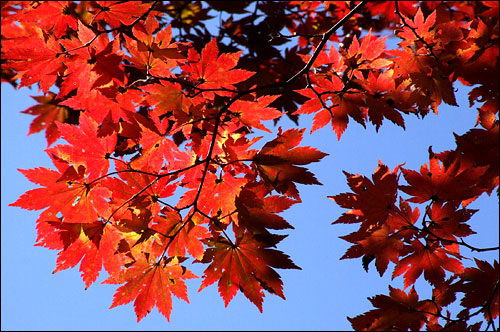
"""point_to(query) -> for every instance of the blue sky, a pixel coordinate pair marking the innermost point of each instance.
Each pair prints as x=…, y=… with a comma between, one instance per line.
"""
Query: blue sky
x=319, y=297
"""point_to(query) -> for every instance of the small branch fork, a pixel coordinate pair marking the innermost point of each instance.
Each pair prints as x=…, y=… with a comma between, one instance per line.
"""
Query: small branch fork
x=426, y=230
x=450, y=322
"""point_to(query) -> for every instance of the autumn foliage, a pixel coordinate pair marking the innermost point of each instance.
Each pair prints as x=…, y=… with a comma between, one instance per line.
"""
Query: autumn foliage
x=148, y=117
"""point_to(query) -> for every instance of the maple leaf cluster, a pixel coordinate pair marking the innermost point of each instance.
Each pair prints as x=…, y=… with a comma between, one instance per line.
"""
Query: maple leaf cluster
x=141, y=133
x=434, y=53
x=151, y=134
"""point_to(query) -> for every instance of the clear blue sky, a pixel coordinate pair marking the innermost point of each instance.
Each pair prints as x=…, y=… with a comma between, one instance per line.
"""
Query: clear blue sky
x=319, y=297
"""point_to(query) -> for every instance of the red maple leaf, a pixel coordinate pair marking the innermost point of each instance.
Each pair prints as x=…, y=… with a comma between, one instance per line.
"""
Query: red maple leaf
x=86, y=148
x=380, y=100
x=149, y=284
x=251, y=113
x=47, y=112
x=448, y=222
x=115, y=12
x=370, y=202
x=245, y=265
x=366, y=55
x=36, y=58
x=129, y=189
x=480, y=288
x=168, y=97
x=430, y=259
x=94, y=245
x=214, y=71
x=90, y=67
x=58, y=15
x=256, y=213
x=67, y=193
x=276, y=162
x=156, y=149
x=154, y=53
x=440, y=183
x=217, y=197
x=339, y=105
x=384, y=246
x=398, y=311
x=417, y=28
x=180, y=235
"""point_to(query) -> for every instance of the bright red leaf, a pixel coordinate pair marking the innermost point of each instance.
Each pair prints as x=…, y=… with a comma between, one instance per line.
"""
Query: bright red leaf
x=277, y=159
x=246, y=265
x=430, y=260
x=151, y=284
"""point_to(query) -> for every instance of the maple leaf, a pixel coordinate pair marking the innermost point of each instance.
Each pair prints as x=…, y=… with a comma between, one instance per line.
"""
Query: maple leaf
x=480, y=288
x=47, y=112
x=236, y=148
x=427, y=82
x=168, y=97
x=217, y=197
x=436, y=85
x=276, y=162
x=398, y=311
x=419, y=27
x=251, y=113
x=155, y=147
x=479, y=147
x=86, y=149
x=130, y=189
x=366, y=54
x=388, y=9
x=333, y=58
x=448, y=222
x=342, y=105
x=380, y=101
x=115, y=13
x=57, y=15
x=149, y=284
x=440, y=183
x=134, y=222
x=432, y=260
x=143, y=97
x=382, y=241
x=257, y=213
x=36, y=58
x=370, y=202
x=154, y=53
x=180, y=235
x=245, y=265
x=214, y=71
x=78, y=201
x=94, y=245
x=89, y=68
x=384, y=247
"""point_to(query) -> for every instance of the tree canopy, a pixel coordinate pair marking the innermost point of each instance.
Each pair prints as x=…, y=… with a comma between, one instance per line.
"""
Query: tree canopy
x=151, y=116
